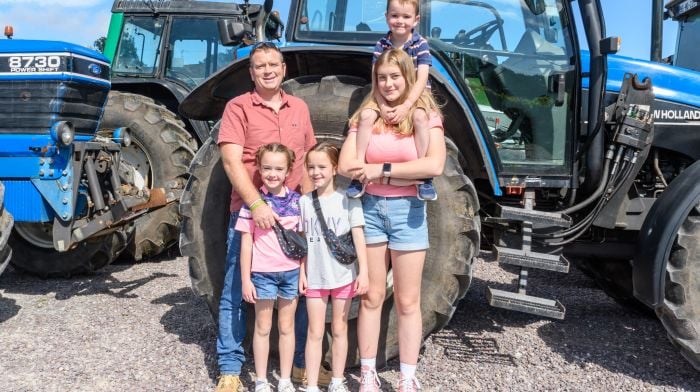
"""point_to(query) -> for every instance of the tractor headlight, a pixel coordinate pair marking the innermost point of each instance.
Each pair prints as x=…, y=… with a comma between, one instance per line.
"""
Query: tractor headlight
x=63, y=133
x=122, y=136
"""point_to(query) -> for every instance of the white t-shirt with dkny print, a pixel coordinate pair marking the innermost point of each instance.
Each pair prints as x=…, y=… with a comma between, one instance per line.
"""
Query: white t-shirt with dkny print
x=323, y=271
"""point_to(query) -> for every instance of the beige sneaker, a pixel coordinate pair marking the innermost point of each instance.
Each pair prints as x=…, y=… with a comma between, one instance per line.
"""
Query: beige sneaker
x=228, y=383
x=408, y=384
x=299, y=376
x=369, y=381
x=342, y=387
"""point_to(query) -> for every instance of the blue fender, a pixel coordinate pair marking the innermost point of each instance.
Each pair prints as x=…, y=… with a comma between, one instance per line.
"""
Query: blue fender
x=658, y=234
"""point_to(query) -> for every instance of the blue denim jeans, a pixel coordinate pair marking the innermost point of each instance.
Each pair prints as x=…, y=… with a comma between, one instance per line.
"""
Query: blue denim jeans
x=229, y=343
x=232, y=328
x=301, y=326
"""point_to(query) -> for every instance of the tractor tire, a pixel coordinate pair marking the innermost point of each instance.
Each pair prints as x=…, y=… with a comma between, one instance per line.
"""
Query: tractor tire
x=162, y=150
x=204, y=208
x=6, y=222
x=454, y=224
x=34, y=255
x=679, y=311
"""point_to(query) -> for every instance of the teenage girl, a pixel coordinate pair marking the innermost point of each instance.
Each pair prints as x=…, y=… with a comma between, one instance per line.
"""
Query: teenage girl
x=267, y=274
x=396, y=229
x=323, y=278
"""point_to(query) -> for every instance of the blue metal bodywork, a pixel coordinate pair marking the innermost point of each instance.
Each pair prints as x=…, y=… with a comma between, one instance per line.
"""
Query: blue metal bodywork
x=676, y=113
x=42, y=83
x=671, y=83
x=40, y=46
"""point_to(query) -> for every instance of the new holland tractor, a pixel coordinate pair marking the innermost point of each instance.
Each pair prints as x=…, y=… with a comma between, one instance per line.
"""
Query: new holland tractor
x=553, y=155
x=90, y=172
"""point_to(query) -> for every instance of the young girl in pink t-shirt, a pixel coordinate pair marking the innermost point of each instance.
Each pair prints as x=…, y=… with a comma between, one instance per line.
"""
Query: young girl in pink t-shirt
x=267, y=274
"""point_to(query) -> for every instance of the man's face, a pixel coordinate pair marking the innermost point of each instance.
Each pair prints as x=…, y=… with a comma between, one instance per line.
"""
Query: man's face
x=267, y=70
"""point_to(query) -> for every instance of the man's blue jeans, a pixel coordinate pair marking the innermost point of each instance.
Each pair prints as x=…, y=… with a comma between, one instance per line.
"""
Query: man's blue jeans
x=232, y=328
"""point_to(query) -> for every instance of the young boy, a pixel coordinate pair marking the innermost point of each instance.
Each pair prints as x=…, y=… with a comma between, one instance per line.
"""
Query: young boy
x=402, y=16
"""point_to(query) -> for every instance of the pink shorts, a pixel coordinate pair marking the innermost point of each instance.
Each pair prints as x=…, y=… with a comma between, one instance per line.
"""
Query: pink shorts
x=342, y=292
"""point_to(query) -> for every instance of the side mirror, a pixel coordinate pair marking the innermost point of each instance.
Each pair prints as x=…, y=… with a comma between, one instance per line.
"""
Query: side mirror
x=232, y=32
x=267, y=6
x=536, y=6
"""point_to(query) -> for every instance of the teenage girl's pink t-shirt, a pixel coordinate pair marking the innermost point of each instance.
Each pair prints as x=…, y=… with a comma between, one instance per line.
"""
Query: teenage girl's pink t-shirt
x=387, y=146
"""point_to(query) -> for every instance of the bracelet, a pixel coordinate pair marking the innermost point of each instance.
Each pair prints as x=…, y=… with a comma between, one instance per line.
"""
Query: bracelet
x=257, y=203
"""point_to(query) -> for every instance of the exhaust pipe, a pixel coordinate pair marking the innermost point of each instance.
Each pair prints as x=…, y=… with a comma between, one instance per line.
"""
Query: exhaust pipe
x=657, y=30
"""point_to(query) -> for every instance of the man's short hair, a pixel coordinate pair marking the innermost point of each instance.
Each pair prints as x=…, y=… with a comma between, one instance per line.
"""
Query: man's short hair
x=265, y=46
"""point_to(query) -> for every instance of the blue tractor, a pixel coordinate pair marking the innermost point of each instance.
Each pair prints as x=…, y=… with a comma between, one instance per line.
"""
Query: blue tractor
x=71, y=183
x=555, y=156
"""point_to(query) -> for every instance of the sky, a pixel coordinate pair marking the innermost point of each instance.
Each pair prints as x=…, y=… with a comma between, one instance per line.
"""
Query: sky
x=83, y=21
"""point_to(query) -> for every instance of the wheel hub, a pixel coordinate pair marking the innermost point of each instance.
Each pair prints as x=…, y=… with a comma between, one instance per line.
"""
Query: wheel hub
x=38, y=234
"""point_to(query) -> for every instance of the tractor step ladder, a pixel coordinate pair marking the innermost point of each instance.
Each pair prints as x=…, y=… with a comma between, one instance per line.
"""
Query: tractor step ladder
x=538, y=219
x=525, y=258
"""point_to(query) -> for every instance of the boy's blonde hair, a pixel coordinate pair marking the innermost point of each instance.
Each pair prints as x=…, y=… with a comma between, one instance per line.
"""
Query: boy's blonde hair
x=275, y=147
x=414, y=3
x=426, y=101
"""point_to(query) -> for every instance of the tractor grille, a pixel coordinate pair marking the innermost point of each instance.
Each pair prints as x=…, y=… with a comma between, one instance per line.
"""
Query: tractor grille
x=34, y=106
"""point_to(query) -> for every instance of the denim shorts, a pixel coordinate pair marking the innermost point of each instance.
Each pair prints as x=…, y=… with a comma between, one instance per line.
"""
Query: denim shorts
x=400, y=221
x=270, y=285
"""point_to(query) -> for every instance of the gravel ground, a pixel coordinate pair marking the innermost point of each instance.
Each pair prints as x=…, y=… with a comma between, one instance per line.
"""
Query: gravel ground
x=140, y=328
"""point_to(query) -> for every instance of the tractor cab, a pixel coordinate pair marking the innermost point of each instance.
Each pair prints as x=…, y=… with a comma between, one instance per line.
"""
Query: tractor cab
x=687, y=14
x=178, y=41
x=515, y=63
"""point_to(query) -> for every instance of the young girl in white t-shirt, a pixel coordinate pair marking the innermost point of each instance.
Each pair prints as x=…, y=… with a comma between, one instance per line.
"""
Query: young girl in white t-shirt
x=322, y=276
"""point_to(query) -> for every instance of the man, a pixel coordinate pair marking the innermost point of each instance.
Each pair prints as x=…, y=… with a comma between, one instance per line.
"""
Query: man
x=253, y=119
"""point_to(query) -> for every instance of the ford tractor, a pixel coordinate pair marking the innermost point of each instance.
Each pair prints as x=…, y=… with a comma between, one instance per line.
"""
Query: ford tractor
x=71, y=192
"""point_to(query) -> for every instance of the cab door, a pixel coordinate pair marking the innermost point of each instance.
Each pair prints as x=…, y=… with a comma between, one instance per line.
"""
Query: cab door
x=518, y=60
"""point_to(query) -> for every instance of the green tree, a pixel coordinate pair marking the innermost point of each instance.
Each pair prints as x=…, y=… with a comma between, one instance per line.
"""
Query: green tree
x=99, y=44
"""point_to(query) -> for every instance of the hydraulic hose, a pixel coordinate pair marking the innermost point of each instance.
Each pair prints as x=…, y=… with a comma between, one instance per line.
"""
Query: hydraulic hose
x=595, y=195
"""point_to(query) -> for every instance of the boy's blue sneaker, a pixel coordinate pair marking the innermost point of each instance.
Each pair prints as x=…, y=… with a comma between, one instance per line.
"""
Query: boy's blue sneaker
x=355, y=189
x=426, y=190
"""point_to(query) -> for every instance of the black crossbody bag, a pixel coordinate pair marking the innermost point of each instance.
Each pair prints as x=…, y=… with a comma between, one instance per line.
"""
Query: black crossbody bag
x=341, y=247
x=292, y=243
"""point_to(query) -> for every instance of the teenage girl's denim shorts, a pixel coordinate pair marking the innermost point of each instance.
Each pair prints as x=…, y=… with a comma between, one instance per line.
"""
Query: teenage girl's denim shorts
x=270, y=285
x=400, y=221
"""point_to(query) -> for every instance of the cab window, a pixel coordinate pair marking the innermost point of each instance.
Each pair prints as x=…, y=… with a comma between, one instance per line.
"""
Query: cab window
x=139, y=46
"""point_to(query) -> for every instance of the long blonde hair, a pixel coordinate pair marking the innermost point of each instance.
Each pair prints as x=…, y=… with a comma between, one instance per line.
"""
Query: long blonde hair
x=426, y=101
